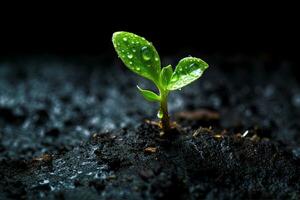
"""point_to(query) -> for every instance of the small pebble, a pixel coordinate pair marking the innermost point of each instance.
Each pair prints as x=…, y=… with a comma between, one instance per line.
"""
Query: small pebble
x=150, y=150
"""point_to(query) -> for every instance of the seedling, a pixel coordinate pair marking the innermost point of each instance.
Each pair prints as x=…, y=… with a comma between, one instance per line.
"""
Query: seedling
x=141, y=57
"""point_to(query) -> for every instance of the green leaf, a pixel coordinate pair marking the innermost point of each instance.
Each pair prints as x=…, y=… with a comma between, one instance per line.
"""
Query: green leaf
x=138, y=54
x=149, y=95
x=188, y=70
x=165, y=75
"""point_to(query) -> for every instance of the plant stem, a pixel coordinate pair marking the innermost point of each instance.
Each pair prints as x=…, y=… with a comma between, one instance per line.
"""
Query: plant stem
x=165, y=120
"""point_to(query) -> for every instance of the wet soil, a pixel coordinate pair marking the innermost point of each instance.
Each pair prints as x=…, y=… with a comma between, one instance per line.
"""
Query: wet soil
x=78, y=129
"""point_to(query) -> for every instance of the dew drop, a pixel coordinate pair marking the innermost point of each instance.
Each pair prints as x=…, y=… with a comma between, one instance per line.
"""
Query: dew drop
x=130, y=63
x=156, y=59
x=133, y=50
x=138, y=69
x=125, y=39
x=130, y=56
x=196, y=72
x=146, y=54
x=160, y=114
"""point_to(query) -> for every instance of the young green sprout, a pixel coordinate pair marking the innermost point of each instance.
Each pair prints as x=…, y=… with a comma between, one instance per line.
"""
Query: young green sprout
x=141, y=57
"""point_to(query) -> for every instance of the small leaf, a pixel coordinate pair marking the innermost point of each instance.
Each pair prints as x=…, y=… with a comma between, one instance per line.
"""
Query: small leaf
x=165, y=75
x=149, y=95
x=188, y=70
x=138, y=54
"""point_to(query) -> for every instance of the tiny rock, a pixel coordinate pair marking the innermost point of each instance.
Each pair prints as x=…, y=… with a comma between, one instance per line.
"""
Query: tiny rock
x=150, y=150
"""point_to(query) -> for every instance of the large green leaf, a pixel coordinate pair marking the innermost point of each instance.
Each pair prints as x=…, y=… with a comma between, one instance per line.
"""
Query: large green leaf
x=149, y=95
x=138, y=54
x=188, y=70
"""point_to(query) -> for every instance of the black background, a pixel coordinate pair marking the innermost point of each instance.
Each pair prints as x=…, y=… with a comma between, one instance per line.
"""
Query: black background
x=69, y=30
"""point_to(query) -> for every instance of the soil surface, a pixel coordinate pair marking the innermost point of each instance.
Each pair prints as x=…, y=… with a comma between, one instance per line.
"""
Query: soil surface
x=79, y=129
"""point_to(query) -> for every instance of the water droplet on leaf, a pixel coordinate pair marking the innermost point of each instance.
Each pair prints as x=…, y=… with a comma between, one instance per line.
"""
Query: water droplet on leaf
x=125, y=39
x=146, y=54
x=196, y=72
x=130, y=56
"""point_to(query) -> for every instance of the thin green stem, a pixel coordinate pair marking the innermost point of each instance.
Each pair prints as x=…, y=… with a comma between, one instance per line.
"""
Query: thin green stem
x=165, y=120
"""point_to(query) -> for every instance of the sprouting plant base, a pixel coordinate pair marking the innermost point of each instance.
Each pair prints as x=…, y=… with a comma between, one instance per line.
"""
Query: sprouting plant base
x=173, y=126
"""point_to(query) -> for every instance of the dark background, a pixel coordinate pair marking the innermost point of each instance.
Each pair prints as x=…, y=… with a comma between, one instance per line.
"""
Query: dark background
x=86, y=29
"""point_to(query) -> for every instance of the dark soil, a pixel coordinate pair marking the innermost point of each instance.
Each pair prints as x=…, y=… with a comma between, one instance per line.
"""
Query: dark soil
x=77, y=129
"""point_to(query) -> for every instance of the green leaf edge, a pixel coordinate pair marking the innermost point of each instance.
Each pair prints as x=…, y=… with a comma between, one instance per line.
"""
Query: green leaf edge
x=146, y=94
x=154, y=78
x=198, y=59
